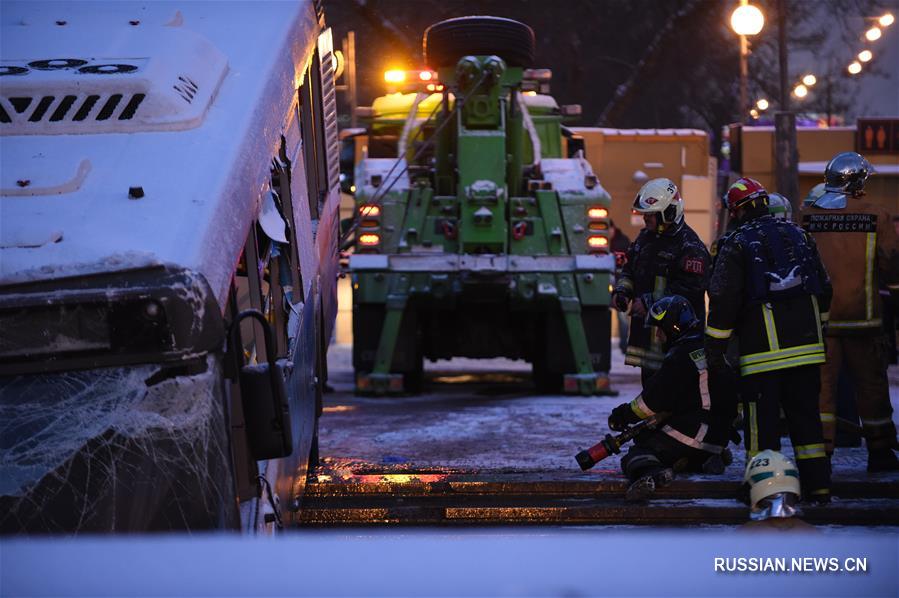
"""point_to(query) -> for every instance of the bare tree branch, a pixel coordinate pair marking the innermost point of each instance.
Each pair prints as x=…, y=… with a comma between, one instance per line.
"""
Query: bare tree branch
x=385, y=27
x=644, y=68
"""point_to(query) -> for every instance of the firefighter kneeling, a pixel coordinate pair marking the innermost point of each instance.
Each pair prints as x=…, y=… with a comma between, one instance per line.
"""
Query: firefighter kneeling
x=695, y=433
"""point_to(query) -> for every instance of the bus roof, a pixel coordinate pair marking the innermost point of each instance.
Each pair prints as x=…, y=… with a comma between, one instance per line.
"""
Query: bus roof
x=217, y=81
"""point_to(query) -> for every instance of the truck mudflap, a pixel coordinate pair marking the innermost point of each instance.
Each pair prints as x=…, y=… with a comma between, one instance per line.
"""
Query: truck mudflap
x=588, y=384
x=379, y=384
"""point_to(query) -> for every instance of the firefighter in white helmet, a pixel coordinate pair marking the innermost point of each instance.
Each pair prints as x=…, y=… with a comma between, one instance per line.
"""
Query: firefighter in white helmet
x=667, y=258
x=779, y=207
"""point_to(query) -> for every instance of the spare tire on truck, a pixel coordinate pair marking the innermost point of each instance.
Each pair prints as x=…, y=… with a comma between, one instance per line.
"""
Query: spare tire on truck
x=446, y=42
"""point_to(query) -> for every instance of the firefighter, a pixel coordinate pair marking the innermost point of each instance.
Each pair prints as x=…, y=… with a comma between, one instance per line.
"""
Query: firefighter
x=768, y=289
x=619, y=243
x=779, y=207
x=859, y=246
x=697, y=430
x=813, y=195
x=666, y=258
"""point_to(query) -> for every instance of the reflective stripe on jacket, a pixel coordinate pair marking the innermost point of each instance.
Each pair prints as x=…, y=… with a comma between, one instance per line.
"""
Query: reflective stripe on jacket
x=773, y=334
x=674, y=262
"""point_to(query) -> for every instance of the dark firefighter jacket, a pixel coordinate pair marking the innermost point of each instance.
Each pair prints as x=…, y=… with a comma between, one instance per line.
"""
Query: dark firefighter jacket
x=859, y=247
x=699, y=419
x=769, y=288
x=675, y=262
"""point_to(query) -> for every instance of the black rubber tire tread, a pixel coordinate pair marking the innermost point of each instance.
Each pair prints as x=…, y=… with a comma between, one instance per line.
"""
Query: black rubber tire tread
x=446, y=42
x=367, y=322
x=546, y=382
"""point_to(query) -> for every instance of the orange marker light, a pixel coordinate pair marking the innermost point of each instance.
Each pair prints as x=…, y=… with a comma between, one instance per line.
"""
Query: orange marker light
x=597, y=242
x=370, y=210
x=597, y=213
x=394, y=76
x=369, y=239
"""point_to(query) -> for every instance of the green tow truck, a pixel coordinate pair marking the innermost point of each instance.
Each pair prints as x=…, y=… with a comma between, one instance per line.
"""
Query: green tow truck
x=473, y=235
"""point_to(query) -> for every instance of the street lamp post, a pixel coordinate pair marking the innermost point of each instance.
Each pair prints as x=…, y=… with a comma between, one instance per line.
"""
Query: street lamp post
x=786, y=175
x=746, y=20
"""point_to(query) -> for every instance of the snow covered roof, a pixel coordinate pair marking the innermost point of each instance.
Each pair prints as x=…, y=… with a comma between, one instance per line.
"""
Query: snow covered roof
x=218, y=80
x=546, y=102
x=645, y=132
x=770, y=128
x=152, y=78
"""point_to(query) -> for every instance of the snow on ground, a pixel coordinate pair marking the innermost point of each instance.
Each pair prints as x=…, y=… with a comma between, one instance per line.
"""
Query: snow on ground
x=484, y=414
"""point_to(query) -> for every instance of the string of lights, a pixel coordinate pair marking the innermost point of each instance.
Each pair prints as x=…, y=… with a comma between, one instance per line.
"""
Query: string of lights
x=803, y=86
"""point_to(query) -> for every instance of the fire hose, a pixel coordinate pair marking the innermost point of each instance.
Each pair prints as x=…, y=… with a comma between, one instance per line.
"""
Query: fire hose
x=611, y=445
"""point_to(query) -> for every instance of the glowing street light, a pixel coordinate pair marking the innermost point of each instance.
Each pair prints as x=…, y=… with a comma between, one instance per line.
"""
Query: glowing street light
x=762, y=104
x=854, y=68
x=800, y=91
x=886, y=20
x=865, y=55
x=809, y=80
x=754, y=113
x=873, y=34
x=747, y=20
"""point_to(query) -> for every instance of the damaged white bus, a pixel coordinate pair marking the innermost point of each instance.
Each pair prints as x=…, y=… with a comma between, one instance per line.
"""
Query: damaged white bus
x=168, y=261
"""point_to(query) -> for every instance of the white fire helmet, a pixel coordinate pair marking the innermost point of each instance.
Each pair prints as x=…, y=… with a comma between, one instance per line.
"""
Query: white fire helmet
x=779, y=207
x=660, y=196
x=769, y=473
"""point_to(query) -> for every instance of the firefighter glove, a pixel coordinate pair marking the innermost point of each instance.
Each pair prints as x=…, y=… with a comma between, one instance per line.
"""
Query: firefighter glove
x=621, y=417
x=621, y=298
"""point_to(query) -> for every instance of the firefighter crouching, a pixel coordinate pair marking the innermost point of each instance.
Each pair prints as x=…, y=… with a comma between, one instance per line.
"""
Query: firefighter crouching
x=859, y=247
x=666, y=258
x=769, y=288
x=694, y=435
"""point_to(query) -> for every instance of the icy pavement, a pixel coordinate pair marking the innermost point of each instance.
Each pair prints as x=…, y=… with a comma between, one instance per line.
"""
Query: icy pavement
x=484, y=415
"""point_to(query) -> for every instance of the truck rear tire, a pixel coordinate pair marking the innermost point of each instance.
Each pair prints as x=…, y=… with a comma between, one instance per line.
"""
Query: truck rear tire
x=448, y=41
x=546, y=381
x=368, y=320
x=553, y=357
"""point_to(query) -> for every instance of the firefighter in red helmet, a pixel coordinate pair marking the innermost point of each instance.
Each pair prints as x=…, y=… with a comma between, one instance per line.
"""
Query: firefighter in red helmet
x=768, y=289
